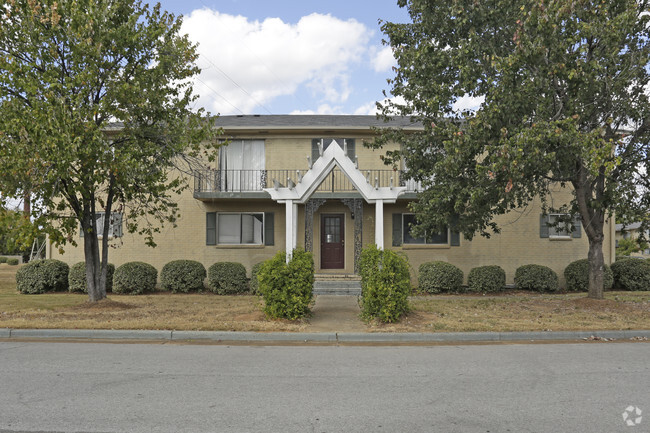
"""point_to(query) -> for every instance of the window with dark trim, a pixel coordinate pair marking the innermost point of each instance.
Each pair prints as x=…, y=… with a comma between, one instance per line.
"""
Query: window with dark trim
x=114, y=229
x=239, y=228
x=408, y=221
x=557, y=226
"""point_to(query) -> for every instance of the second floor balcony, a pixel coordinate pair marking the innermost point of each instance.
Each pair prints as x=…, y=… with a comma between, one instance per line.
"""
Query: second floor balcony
x=211, y=183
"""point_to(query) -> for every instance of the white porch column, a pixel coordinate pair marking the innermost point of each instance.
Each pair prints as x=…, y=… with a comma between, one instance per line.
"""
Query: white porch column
x=379, y=224
x=291, y=227
x=294, y=218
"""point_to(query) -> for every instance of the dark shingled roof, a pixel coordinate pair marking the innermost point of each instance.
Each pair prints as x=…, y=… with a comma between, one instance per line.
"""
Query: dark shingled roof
x=310, y=121
x=631, y=226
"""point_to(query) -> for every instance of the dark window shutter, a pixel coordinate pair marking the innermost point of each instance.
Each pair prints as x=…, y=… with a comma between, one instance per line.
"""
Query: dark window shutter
x=211, y=228
x=116, y=223
x=455, y=235
x=269, y=228
x=577, y=227
x=314, y=150
x=543, y=226
x=397, y=229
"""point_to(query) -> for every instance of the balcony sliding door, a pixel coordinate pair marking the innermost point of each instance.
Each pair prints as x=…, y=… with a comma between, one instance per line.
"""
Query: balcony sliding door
x=241, y=165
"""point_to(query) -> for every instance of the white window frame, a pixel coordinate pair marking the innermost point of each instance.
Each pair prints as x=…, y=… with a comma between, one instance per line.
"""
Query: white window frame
x=425, y=237
x=218, y=214
x=99, y=218
x=553, y=230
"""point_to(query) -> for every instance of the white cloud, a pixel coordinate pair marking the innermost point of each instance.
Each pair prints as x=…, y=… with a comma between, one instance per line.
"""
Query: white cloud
x=467, y=102
x=367, y=109
x=322, y=109
x=249, y=63
x=382, y=59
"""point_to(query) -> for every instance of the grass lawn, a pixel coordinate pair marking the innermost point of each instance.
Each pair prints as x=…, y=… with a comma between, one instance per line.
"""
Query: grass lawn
x=508, y=311
x=523, y=311
x=161, y=310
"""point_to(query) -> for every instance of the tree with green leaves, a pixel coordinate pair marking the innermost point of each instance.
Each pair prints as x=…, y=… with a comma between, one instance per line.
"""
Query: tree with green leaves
x=564, y=88
x=625, y=247
x=96, y=118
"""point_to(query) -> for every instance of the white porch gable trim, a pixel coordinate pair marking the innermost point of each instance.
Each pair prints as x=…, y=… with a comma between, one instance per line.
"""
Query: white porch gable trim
x=332, y=157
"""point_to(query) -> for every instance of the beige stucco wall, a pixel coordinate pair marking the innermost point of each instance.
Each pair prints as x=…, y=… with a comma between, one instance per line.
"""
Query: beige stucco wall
x=518, y=244
x=290, y=152
x=188, y=239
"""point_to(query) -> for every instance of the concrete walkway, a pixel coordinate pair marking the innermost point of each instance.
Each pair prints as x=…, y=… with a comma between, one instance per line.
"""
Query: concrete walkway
x=336, y=313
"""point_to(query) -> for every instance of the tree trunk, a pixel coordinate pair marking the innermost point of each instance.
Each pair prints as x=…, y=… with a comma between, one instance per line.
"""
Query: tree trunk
x=593, y=222
x=596, y=269
x=96, y=291
x=27, y=204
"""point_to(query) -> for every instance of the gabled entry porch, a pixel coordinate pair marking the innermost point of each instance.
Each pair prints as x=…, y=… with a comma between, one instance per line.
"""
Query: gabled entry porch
x=334, y=227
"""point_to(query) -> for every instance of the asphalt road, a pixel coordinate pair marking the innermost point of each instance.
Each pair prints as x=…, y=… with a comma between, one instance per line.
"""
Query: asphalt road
x=73, y=387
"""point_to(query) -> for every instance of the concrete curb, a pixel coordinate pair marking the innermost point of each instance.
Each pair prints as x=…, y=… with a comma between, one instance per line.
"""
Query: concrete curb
x=329, y=337
x=316, y=337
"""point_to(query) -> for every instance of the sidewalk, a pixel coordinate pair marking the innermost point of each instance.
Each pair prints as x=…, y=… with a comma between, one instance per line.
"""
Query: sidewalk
x=337, y=313
x=320, y=337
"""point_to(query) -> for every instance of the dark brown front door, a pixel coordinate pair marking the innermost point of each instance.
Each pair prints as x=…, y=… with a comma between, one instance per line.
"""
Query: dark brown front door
x=332, y=242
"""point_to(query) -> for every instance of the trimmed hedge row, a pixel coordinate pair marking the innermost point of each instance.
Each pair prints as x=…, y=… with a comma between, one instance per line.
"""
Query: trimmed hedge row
x=77, y=278
x=536, y=277
x=135, y=278
x=12, y=261
x=631, y=274
x=227, y=278
x=491, y=278
x=436, y=277
x=3, y=259
x=41, y=276
x=577, y=276
x=182, y=276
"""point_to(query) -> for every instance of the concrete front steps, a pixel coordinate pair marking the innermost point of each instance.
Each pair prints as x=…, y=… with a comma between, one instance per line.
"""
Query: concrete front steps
x=337, y=284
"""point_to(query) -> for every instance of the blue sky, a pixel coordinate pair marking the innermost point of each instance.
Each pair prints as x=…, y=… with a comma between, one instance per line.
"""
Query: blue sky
x=289, y=57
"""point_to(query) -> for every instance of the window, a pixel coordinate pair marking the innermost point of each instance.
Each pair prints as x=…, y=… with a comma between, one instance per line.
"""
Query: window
x=408, y=220
x=115, y=228
x=349, y=142
x=558, y=229
x=235, y=228
x=242, y=163
x=555, y=226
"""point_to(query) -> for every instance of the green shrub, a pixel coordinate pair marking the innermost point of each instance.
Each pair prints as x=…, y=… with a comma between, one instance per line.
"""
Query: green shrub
x=490, y=278
x=385, y=284
x=536, y=277
x=3, y=259
x=134, y=278
x=77, y=278
x=226, y=278
x=12, y=261
x=182, y=276
x=577, y=276
x=436, y=277
x=42, y=276
x=287, y=288
x=254, y=282
x=631, y=274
